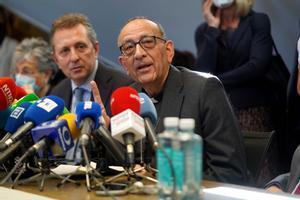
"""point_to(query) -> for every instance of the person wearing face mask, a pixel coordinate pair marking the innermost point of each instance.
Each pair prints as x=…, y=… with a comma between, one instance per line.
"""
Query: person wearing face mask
x=235, y=44
x=34, y=67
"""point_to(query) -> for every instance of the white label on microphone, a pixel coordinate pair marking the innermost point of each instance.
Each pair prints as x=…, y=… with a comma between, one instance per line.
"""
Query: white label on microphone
x=127, y=122
x=87, y=105
x=17, y=112
x=47, y=104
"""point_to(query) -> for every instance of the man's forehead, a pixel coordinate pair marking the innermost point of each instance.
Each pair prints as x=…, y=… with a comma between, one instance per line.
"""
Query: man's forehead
x=137, y=29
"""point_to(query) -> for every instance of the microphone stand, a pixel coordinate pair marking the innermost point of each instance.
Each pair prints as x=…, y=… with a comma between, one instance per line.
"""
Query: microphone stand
x=90, y=171
x=43, y=172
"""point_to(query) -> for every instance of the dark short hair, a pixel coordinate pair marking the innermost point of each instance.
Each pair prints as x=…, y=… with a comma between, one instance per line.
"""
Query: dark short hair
x=71, y=20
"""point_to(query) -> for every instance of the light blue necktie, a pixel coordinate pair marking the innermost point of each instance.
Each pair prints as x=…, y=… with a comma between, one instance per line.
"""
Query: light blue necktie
x=75, y=152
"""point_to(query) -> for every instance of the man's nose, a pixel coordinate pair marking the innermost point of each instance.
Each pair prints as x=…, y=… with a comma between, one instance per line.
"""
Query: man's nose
x=139, y=51
x=73, y=55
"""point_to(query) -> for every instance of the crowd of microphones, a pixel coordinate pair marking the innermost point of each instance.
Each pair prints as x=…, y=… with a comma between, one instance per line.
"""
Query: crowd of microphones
x=35, y=129
x=38, y=133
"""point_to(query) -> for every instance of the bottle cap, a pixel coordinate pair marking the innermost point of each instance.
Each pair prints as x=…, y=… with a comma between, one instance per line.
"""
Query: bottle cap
x=186, y=123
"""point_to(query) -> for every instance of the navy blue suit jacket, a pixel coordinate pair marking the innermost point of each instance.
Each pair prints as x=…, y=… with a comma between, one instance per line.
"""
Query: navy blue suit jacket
x=239, y=62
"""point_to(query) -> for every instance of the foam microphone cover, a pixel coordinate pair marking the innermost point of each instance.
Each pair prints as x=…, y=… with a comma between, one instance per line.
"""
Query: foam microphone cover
x=125, y=98
x=4, y=114
x=16, y=118
x=88, y=109
x=7, y=92
x=71, y=121
x=20, y=92
x=148, y=108
x=44, y=109
x=27, y=98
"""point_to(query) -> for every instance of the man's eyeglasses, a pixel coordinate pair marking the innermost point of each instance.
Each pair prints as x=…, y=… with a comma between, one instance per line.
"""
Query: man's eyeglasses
x=146, y=42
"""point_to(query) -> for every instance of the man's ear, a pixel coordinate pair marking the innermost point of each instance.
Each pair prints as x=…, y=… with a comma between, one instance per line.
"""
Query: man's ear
x=54, y=58
x=170, y=50
x=122, y=63
x=97, y=48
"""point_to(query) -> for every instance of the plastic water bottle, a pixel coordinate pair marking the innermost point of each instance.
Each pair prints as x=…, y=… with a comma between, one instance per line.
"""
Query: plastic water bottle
x=191, y=145
x=165, y=178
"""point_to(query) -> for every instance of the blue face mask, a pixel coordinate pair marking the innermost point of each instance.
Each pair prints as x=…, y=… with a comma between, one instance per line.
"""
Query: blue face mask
x=24, y=80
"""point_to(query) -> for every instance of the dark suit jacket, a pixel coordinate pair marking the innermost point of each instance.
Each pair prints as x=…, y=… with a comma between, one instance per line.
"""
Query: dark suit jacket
x=188, y=94
x=107, y=80
x=240, y=61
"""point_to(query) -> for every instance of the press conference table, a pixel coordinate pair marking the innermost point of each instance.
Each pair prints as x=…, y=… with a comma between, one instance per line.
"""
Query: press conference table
x=218, y=191
x=72, y=192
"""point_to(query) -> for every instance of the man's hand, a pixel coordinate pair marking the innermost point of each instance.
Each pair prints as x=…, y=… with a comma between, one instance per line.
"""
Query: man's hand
x=97, y=99
x=212, y=20
x=274, y=189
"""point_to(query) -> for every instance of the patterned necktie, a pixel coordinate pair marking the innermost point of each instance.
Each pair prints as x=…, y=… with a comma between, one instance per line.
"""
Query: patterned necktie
x=78, y=94
x=75, y=152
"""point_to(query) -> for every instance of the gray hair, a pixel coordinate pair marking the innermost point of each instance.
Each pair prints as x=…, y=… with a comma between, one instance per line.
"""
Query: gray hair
x=35, y=49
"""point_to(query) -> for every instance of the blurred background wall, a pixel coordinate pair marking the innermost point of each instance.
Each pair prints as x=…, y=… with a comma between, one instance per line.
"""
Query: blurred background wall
x=179, y=17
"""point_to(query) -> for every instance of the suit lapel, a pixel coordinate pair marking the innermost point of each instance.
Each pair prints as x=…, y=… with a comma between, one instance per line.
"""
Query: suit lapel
x=102, y=79
x=240, y=31
x=172, y=97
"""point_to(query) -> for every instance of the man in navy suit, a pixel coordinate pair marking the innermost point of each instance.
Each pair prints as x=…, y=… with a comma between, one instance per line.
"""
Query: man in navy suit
x=75, y=50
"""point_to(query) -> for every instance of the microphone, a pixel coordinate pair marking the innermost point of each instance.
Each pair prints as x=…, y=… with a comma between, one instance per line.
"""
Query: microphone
x=45, y=109
x=4, y=114
x=27, y=98
x=54, y=133
x=16, y=117
x=7, y=92
x=14, y=121
x=20, y=92
x=88, y=116
x=71, y=118
x=148, y=112
x=126, y=125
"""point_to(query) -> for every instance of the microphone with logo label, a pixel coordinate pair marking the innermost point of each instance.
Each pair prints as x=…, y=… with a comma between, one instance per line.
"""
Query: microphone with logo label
x=88, y=116
x=45, y=109
x=14, y=121
x=7, y=92
x=126, y=124
x=69, y=118
x=148, y=112
x=55, y=134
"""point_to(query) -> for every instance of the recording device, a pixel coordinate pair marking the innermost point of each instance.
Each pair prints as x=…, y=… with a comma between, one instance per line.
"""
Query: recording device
x=222, y=3
x=54, y=133
x=126, y=125
x=88, y=116
x=45, y=109
x=148, y=112
x=27, y=98
x=7, y=92
x=4, y=114
x=16, y=118
x=71, y=118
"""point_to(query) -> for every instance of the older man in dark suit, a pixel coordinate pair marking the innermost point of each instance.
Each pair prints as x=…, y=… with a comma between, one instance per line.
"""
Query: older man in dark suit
x=146, y=55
